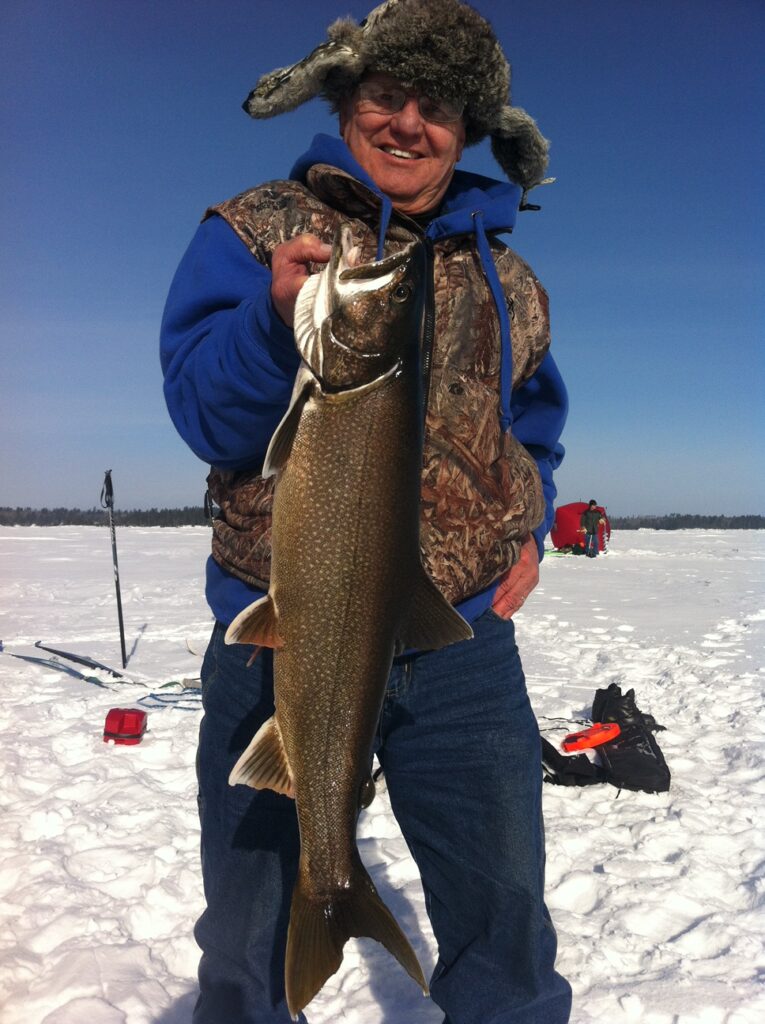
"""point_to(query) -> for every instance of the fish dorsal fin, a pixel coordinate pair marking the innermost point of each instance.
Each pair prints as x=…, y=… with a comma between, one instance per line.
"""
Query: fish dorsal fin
x=432, y=623
x=308, y=316
x=280, y=446
x=256, y=624
x=264, y=764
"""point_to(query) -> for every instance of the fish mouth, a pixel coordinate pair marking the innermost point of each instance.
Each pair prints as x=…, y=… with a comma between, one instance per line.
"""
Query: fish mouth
x=348, y=267
x=358, y=352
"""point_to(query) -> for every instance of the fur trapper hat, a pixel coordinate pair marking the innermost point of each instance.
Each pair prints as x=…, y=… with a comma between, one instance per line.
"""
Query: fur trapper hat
x=443, y=47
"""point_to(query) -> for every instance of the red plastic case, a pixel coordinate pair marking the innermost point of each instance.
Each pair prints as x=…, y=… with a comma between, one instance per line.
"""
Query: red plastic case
x=125, y=725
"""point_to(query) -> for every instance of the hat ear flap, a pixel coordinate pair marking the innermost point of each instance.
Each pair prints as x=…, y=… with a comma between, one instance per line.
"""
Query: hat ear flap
x=519, y=147
x=286, y=88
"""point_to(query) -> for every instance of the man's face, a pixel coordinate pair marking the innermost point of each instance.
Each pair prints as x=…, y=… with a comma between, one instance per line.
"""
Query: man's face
x=409, y=158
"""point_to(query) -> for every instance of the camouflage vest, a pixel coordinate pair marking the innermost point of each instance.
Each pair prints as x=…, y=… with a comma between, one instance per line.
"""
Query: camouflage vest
x=481, y=491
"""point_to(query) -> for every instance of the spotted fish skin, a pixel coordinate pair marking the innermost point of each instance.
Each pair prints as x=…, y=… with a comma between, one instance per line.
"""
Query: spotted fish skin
x=347, y=591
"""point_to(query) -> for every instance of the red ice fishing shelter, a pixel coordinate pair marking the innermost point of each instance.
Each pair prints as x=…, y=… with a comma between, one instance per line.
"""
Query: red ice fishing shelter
x=565, y=529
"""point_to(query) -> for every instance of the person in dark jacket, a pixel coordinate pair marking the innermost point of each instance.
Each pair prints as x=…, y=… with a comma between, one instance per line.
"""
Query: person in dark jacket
x=457, y=739
x=590, y=523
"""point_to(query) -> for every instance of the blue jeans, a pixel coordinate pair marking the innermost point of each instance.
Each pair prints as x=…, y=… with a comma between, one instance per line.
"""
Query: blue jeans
x=591, y=547
x=459, y=745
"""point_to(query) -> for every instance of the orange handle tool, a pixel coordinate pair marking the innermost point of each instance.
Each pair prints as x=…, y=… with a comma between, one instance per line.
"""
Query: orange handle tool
x=600, y=732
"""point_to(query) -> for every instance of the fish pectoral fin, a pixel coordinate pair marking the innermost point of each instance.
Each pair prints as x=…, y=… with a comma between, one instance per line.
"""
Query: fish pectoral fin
x=264, y=764
x=433, y=623
x=280, y=445
x=319, y=929
x=256, y=624
x=310, y=312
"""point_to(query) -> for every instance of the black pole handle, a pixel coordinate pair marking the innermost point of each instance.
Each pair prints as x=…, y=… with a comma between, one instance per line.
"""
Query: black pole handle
x=107, y=491
x=107, y=502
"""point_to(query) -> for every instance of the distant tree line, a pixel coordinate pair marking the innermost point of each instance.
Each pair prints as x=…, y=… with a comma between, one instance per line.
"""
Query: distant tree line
x=193, y=515
x=680, y=521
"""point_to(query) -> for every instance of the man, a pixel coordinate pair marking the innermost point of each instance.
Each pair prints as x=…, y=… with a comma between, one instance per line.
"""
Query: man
x=414, y=84
x=590, y=523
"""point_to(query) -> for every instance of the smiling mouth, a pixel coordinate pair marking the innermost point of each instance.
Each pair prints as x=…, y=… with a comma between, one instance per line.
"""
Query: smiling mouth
x=401, y=154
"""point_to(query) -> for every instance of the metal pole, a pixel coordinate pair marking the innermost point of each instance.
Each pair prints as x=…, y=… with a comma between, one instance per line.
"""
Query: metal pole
x=107, y=502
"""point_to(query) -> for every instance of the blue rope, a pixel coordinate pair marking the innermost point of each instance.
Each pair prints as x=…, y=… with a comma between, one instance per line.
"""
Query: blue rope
x=506, y=347
x=385, y=215
x=179, y=701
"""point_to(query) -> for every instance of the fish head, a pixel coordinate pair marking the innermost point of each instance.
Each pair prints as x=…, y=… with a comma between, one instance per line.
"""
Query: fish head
x=365, y=318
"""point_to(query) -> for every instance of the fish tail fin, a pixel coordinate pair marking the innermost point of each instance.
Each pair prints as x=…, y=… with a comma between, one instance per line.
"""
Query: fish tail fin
x=319, y=929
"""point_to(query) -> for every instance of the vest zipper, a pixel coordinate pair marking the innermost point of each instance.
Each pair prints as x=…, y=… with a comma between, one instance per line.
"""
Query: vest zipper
x=428, y=324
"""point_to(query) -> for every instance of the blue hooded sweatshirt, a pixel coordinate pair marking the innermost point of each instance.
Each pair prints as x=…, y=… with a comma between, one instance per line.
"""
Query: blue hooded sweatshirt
x=229, y=361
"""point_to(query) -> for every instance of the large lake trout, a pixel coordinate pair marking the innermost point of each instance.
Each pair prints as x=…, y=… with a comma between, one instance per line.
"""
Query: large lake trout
x=348, y=590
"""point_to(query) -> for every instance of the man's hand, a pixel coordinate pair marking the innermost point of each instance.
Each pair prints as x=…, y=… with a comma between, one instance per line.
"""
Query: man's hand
x=289, y=271
x=516, y=585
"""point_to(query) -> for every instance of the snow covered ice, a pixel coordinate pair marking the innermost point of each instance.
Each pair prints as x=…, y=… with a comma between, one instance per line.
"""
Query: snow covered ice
x=657, y=899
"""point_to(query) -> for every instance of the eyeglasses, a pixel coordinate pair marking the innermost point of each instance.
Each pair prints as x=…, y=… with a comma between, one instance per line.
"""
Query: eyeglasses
x=379, y=98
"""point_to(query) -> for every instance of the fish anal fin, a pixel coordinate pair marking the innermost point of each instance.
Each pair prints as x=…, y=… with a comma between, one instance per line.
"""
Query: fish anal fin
x=264, y=764
x=432, y=622
x=256, y=624
x=319, y=929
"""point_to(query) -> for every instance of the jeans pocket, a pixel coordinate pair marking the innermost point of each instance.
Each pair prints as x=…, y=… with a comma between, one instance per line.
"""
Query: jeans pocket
x=495, y=617
x=210, y=672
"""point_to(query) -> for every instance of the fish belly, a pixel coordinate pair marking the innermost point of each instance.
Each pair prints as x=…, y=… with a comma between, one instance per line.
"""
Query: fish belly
x=345, y=542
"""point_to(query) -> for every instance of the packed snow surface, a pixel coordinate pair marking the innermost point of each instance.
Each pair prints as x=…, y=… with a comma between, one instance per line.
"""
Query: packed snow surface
x=657, y=899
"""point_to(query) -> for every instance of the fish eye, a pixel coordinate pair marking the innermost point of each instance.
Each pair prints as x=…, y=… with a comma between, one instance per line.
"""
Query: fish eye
x=401, y=292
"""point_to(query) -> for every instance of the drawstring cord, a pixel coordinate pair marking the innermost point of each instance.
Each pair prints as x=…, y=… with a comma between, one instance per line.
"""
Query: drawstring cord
x=495, y=285
x=385, y=215
x=506, y=349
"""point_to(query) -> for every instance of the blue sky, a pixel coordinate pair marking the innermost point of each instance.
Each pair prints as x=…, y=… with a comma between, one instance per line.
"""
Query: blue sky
x=121, y=123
